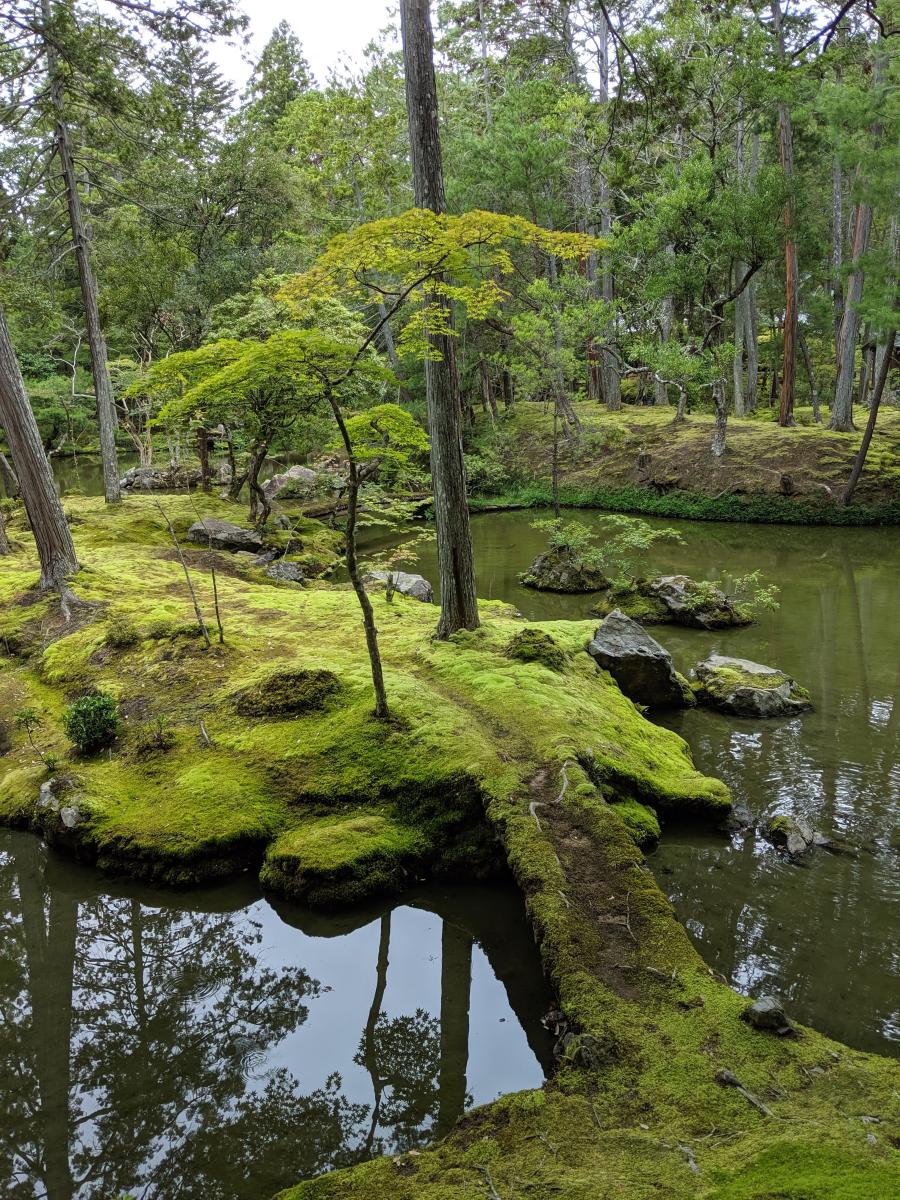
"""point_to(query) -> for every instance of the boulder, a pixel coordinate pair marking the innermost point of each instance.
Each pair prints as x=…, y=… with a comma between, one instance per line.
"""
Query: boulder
x=285, y=572
x=688, y=602
x=222, y=535
x=748, y=689
x=299, y=480
x=794, y=834
x=641, y=667
x=159, y=479
x=414, y=586
x=674, y=600
x=767, y=1013
x=558, y=570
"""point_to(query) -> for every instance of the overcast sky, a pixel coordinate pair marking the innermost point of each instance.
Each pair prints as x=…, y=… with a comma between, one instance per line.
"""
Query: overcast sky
x=330, y=30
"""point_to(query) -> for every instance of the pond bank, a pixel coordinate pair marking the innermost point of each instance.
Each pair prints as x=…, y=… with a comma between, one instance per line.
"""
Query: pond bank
x=637, y=460
x=330, y=796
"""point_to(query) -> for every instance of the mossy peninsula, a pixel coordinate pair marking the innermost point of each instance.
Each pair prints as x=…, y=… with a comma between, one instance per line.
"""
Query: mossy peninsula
x=507, y=747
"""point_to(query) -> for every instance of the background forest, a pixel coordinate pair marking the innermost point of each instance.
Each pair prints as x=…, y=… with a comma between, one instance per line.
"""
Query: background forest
x=738, y=160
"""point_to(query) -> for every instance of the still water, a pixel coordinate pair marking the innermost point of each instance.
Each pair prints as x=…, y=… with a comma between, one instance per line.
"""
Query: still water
x=822, y=934
x=169, y=1046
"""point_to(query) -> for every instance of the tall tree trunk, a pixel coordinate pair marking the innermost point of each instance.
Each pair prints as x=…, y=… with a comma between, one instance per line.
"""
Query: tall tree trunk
x=813, y=390
x=791, y=274
x=748, y=296
x=487, y=388
x=842, y=408
x=45, y=514
x=610, y=374
x=880, y=383
x=740, y=270
x=106, y=411
x=866, y=366
x=8, y=477
x=456, y=566
x=4, y=540
x=720, y=401
x=837, y=248
x=666, y=316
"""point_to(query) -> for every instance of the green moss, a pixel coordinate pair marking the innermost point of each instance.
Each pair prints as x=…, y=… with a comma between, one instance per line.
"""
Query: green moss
x=286, y=693
x=534, y=645
x=802, y=1172
x=640, y=821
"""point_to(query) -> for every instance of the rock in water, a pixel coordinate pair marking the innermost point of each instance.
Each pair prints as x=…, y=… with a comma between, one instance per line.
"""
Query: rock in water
x=795, y=835
x=748, y=689
x=767, y=1013
x=160, y=479
x=414, y=586
x=558, y=570
x=222, y=535
x=690, y=603
x=298, y=480
x=641, y=667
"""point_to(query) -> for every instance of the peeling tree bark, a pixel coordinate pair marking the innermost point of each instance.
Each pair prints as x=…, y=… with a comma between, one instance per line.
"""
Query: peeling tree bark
x=106, y=412
x=45, y=514
x=456, y=565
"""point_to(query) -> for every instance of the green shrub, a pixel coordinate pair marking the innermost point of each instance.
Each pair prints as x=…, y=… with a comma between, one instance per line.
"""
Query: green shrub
x=92, y=722
x=121, y=632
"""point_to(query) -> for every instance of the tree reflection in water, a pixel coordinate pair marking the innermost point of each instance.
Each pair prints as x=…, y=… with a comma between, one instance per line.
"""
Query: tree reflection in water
x=142, y=1042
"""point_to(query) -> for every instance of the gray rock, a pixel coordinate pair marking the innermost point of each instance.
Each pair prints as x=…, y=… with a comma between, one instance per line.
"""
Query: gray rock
x=748, y=689
x=794, y=834
x=263, y=560
x=301, y=481
x=285, y=572
x=159, y=479
x=557, y=570
x=222, y=535
x=739, y=819
x=641, y=667
x=767, y=1013
x=414, y=586
x=70, y=816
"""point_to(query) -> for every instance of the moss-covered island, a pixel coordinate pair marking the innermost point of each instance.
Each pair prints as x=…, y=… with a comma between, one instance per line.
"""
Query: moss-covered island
x=507, y=743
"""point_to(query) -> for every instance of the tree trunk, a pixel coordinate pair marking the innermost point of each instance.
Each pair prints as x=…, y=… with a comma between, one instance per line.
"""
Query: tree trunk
x=106, y=411
x=203, y=455
x=4, y=540
x=740, y=270
x=880, y=383
x=837, y=248
x=866, y=366
x=748, y=296
x=791, y=274
x=45, y=514
x=487, y=388
x=842, y=408
x=666, y=318
x=259, y=504
x=813, y=390
x=721, y=403
x=8, y=477
x=381, y=705
x=459, y=605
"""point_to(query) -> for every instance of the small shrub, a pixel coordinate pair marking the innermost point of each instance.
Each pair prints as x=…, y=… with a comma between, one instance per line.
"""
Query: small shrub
x=92, y=722
x=121, y=632
x=533, y=645
x=152, y=737
x=286, y=693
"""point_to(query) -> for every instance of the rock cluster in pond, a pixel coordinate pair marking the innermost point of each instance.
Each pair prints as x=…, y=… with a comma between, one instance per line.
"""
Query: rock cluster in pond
x=223, y=535
x=676, y=600
x=299, y=481
x=748, y=689
x=642, y=668
x=796, y=836
x=160, y=479
x=416, y=587
x=559, y=570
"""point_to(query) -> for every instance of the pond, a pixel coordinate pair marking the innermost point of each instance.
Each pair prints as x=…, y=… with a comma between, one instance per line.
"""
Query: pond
x=167, y=1046
x=821, y=934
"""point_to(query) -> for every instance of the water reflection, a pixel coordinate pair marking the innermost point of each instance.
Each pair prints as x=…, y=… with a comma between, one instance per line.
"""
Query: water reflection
x=823, y=935
x=168, y=1048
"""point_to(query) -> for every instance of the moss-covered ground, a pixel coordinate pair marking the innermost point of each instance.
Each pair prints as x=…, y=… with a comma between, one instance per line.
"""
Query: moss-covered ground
x=498, y=745
x=637, y=460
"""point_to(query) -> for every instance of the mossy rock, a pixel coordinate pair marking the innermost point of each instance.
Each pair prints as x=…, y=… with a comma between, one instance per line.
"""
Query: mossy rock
x=286, y=693
x=640, y=820
x=748, y=689
x=534, y=645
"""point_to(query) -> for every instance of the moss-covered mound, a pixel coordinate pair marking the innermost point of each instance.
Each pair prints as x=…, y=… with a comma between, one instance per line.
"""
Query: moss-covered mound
x=534, y=645
x=673, y=600
x=549, y=763
x=285, y=693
